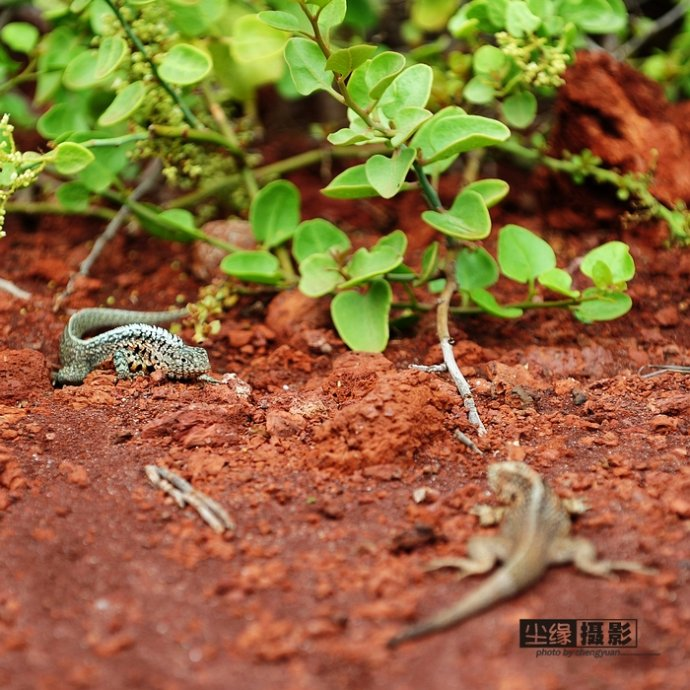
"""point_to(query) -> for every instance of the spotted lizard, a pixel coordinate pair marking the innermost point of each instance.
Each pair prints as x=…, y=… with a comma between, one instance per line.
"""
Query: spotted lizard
x=535, y=533
x=134, y=343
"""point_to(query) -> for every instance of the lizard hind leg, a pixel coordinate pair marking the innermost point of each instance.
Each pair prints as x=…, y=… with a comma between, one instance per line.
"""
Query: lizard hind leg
x=482, y=555
x=584, y=556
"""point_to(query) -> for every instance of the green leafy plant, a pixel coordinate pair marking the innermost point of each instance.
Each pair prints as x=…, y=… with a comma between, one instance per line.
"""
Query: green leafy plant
x=121, y=82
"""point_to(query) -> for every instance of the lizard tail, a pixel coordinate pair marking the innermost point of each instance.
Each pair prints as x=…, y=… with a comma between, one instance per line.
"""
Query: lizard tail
x=496, y=588
x=92, y=319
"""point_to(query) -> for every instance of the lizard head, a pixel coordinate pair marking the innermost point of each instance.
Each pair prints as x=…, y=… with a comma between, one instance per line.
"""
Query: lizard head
x=509, y=480
x=190, y=362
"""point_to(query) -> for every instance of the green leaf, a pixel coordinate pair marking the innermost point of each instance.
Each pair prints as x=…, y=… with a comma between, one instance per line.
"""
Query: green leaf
x=432, y=15
x=396, y=240
x=479, y=90
x=17, y=106
x=429, y=263
x=475, y=268
x=105, y=169
x=616, y=256
x=468, y=218
x=111, y=52
x=601, y=275
x=519, y=19
x=21, y=37
x=275, y=213
x=410, y=88
x=362, y=320
x=253, y=266
x=294, y=22
x=332, y=14
x=318, y=236
x=8, y=173
x=346, y=60
x=73, y=196
x=350, y=184
x=184, y=64
x=522, y=255
x=450, y=225
x=80, y=73
x=558, y=280
x=496, y=12
x=382, y=70
x=608, y=306
x=407, y=120
x=319, y=275
x=307, y=66
x=124, y=105
x=451, y=131
x=195, y=18
x=470, y=207
x=492, y=190
x=520, y=109
x=346, y=136
x=60, y=119
x=488, y=59
x=365, y=265
x=78, y=6
x=484, y=299
x=387, y=175
x=173, y=224
x=595, y=16
x=253, y=41
x=70, y=158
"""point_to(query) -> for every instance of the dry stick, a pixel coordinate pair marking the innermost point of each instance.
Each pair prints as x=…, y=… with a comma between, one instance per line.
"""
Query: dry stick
x=446, y=341
x=463, y=438
x=210, y=511
x=625, y=50
x=149, y=179
x=13, y=289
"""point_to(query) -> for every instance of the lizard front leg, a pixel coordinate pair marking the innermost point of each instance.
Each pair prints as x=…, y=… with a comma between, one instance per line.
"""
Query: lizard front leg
x=126, y=364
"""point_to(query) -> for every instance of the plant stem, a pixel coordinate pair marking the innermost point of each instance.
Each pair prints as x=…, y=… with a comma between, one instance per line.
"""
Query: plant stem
x=218, y=114
x=442, y=314
x=148, y=180
x=27, y=74
x=635, y=185
x=286, y=264
x=272, y=170
x=186, y=112
x=430, y=195
x=198, y=136
x=51, y=209
x=470, y=311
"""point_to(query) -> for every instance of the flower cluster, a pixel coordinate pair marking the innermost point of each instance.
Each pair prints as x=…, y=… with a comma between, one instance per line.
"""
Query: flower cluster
x=17, y=169
x=542, y=64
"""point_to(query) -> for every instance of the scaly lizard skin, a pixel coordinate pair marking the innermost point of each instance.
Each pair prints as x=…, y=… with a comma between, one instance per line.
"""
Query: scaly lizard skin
x=535, y=533
x=136, y=346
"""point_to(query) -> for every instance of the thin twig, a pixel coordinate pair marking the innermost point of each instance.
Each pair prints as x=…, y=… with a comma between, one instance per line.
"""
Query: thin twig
x=625, y=50
x=467, y=441
x=13, y=289
x=149, y=179
x=446, y=341
x=430, y=368
x=210, y=511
